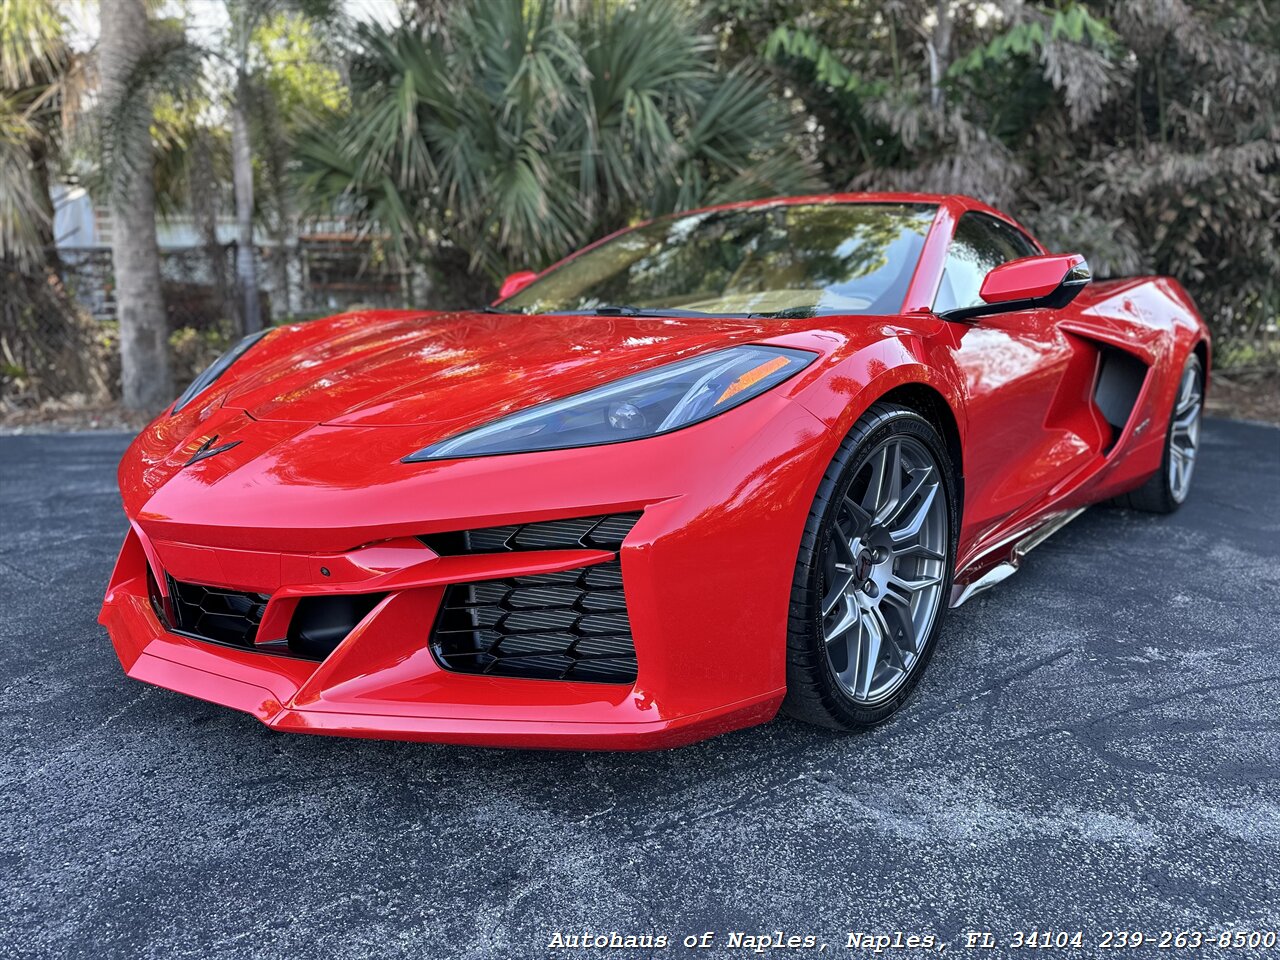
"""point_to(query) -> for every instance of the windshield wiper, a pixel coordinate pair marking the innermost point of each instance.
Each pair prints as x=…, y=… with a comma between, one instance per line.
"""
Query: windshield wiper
x=630, y=310
x=790, y=313
x=626, y=310
x=607, y=310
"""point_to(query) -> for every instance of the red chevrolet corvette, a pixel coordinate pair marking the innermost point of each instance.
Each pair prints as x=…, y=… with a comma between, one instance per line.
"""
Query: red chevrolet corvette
x=715, y=465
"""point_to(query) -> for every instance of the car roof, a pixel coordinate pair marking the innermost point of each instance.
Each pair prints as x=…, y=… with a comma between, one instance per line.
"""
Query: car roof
x=954, y=204
x=957, y=201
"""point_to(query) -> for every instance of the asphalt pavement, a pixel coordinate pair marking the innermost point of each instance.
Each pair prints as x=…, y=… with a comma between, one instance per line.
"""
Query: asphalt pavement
x=1094, y=747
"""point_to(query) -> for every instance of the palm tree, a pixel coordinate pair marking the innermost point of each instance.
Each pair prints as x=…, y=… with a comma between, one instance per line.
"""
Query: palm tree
x=225, y=84
x=247, y=89
x=47, y=346
x=123, y=45
x=518, y=130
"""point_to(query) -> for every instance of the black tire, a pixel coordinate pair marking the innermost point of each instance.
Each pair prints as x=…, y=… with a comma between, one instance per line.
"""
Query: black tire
x=1157, y=494
x=814, y=694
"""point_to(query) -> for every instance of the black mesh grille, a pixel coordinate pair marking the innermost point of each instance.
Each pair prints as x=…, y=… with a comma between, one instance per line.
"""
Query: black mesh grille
x=551, y=626
x=211, y=613
x=232, y=617
x=593, y=533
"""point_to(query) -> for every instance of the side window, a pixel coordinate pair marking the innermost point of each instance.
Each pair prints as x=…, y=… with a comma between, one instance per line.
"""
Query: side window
x=980, y=245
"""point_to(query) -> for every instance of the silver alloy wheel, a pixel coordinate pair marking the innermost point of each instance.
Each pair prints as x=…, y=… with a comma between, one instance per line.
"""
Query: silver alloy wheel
x=1184, y=432
x=884, y=569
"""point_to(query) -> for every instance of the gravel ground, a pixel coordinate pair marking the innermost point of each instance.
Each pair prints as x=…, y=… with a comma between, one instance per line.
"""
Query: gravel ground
x=1094, y=747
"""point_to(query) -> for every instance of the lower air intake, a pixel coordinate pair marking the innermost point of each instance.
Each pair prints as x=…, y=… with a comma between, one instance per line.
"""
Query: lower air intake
x=211, y=613
x=233, y=617
x=549, y=626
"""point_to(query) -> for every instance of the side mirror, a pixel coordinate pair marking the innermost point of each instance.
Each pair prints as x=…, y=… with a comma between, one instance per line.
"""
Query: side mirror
x=1051, y=281
x=515, y=283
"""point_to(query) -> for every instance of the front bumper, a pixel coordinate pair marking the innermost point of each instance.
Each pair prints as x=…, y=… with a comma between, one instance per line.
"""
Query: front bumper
x=707, y=572
x=382, y=680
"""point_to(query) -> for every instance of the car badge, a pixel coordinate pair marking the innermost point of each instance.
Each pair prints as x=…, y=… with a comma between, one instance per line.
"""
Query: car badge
x=207, y=449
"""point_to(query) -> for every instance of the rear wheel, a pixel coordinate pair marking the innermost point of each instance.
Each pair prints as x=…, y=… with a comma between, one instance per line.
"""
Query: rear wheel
x=1167, y=488
x=873, y=574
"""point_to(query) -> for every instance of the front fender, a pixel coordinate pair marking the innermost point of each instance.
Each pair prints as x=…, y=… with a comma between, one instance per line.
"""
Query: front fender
x=875, y=362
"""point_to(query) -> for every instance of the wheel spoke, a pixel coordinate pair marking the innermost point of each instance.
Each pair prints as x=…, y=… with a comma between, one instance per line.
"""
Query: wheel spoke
x=849, y=644
x=917, y=550
x=850, y=617
x=893, y=491
x=872, y=499
x=838, y=590
x=860, y=517
x=906, y=639
x=919, y=478
x=913, y=522
x=901, y=591
x=1183, y=423
x=868, y=653
x=843, y=546
x=1188, y=395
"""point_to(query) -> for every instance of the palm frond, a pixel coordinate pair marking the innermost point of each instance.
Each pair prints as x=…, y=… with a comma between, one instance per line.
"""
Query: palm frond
x=525, y=127
x=172, y=66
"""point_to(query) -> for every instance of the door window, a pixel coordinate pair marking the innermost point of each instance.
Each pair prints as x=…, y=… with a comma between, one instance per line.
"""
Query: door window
x=981, y=244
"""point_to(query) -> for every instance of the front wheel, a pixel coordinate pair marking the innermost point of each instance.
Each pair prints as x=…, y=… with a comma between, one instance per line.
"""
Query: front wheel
x=874, y=572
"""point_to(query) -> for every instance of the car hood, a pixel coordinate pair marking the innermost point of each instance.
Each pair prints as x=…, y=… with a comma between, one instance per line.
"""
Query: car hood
x=450, y=371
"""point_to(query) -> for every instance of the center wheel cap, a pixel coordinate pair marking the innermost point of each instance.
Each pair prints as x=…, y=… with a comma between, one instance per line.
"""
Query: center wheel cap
x=866, y=560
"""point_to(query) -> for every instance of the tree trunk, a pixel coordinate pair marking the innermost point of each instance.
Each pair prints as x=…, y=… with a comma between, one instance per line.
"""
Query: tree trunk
x=144, y=348
x=287, y=255
x=939, y=48
x=205, y=206
x=242, y=175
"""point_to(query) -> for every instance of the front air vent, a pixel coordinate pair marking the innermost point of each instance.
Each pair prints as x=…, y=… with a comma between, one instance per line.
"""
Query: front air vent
x=591, y=533
x=212, y=613
x=552, y=626
x=232, y=617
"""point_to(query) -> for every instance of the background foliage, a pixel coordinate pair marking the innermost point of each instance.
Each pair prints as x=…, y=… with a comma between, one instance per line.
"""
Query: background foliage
x=1145, y=133
x=470, y=138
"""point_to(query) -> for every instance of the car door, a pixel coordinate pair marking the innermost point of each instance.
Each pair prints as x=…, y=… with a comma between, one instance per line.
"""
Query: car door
x=1014, y=365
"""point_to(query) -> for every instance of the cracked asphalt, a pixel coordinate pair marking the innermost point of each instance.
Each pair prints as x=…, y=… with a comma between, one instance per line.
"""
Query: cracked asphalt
x=1094, y=747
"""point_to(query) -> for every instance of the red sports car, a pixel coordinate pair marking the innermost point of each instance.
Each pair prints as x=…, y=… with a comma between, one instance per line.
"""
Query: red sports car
x=715, y=465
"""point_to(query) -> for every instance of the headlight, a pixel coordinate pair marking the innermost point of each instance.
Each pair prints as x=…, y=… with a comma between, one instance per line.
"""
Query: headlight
x=644, y=405
x=217, y=369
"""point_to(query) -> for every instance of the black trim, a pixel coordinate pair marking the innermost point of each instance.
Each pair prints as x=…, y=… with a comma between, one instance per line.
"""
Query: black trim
x=211, y=373
x=575, y=533
x=231, y=618
x=1062, y=295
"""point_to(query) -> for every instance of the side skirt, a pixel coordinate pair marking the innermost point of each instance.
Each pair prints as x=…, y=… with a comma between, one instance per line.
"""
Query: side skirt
x=1016, y=550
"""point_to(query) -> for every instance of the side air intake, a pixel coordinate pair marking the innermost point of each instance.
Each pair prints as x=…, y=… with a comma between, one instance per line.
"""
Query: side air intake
x=1120, y=379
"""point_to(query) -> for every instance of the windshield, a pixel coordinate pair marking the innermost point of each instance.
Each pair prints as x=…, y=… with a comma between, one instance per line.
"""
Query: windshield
x=798, y=260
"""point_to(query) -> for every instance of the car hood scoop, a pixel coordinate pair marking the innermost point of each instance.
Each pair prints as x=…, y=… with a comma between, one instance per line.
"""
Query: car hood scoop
x=455, y=370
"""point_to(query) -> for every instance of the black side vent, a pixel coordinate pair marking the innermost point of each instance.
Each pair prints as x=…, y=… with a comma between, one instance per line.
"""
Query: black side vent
x=211, y=613
x=592, y=533
x=552, y=626
x=1120, y=378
